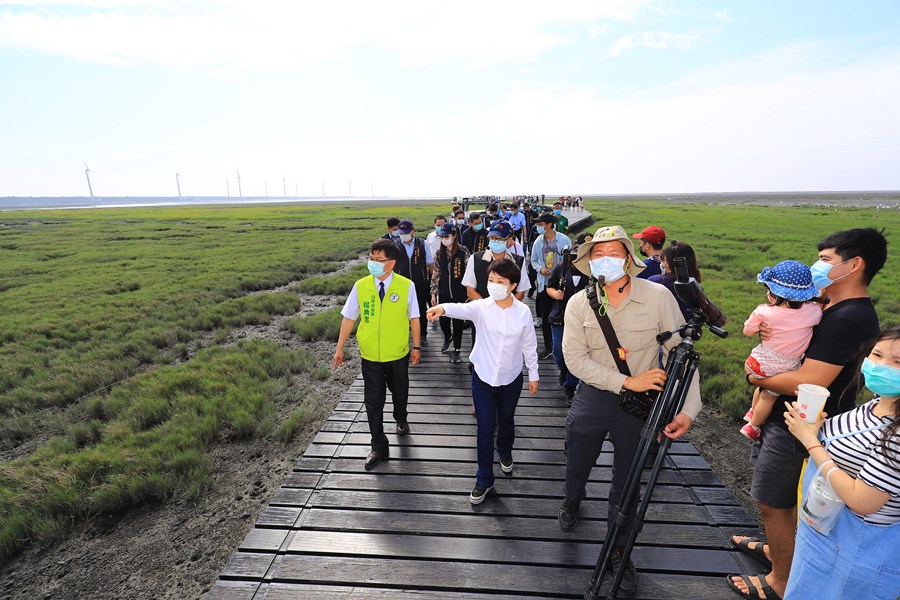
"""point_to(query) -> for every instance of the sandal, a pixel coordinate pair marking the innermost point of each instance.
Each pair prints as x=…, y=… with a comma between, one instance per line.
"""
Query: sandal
x=752, y=592
x=756, y=552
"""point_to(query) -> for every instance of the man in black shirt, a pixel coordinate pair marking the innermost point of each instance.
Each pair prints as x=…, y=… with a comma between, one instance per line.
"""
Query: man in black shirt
x=847, y=262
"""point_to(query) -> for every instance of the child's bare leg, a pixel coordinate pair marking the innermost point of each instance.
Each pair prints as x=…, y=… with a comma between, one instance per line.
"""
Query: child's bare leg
x=756, y=392
x=764, y=403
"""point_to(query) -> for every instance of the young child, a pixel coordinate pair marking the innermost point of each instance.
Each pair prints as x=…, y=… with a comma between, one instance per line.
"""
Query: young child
x=791, y=313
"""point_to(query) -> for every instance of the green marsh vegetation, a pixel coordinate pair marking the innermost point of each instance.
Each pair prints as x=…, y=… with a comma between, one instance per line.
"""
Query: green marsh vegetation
x=102, y=311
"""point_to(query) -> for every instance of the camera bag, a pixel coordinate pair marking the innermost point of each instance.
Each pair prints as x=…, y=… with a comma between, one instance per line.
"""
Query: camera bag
x=637, y=404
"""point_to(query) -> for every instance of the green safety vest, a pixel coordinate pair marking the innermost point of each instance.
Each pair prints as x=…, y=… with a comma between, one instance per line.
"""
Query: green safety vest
x=383, y=333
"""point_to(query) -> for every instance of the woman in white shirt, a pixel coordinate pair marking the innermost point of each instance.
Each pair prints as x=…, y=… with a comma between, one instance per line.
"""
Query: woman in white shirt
x=497, y=366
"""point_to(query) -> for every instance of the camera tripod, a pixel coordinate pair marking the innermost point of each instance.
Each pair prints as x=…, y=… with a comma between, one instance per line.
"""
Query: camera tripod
x=680, y=370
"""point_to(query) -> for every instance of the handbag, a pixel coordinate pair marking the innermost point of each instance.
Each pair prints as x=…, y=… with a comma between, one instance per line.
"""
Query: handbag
x=637, y=404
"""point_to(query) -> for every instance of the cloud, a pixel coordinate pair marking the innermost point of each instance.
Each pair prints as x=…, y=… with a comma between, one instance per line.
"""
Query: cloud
x=283, y=33
x=656, y=40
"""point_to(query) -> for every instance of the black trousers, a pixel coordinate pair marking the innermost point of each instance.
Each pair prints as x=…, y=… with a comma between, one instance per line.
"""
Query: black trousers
x=378, y=377
x=543, y=303
x=453, y=328
x=423, y=296
x=594, y=414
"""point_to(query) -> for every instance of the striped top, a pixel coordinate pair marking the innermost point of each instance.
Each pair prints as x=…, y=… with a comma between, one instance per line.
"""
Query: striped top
x=862, y=457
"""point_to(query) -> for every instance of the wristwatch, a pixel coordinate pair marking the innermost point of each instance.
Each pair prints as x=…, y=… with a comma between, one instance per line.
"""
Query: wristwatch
x=417, y=347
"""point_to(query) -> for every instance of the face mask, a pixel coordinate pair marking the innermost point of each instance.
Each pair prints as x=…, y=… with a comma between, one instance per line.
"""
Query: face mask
x=447, y=241
x=437, y=228
x=608, y=267
x=376, y=268
x=540, y=230
x=557, y=212
x=393, y=233
x=460, y=221
x=478, y=227
x=497, y=291
x=881, y=379
x=820, y=272
x=405, y=237
x=497, y=246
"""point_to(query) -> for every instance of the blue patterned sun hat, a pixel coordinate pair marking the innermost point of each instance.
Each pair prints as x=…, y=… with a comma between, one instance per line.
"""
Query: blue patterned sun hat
x=790, y=279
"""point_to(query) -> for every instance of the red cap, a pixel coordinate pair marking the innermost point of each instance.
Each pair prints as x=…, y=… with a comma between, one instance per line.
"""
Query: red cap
x=652, y=234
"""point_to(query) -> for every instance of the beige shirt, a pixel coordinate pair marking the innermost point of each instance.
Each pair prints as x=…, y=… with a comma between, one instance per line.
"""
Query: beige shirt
x=647, y=310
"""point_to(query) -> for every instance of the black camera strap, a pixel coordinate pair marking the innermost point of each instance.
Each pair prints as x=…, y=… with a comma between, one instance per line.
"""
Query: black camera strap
x=609, y=332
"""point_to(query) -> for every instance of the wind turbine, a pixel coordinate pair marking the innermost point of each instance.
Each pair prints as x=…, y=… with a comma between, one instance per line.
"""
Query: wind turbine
x=87, y=173
x=227, y=186
x=240, y=192
x=266, y=187
x=284, y=187
x=349, y=188
x=323, y=188
x=178, y=184
x=296, y=189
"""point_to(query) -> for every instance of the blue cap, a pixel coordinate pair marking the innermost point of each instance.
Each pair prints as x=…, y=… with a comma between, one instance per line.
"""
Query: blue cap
x=406, y=226
x=789, y=279
x=448, y=229
x=501, y=229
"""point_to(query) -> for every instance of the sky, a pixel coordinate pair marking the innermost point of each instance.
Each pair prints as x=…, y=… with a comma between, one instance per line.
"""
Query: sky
x=412, y=98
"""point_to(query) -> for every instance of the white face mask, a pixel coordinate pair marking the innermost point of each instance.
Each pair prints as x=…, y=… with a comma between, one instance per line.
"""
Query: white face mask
x=405, y=237
x=497, y=291
x=608, y=267
x=447, y=241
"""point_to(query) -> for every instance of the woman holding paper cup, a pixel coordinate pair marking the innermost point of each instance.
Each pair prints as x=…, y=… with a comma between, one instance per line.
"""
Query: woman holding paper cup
x=853, y=475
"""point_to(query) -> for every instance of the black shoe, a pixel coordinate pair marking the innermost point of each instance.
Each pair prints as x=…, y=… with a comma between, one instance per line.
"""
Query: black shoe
x=570, y=394
x=424, y=342
x=531, y=293
x=375, y=457
x=445, y=346
x=403, y=428
x=506, y=465
x=454, y=357
x=629, y=577
x=568, y=514
x=546, y=355
x=562, y=378
x=479, y=494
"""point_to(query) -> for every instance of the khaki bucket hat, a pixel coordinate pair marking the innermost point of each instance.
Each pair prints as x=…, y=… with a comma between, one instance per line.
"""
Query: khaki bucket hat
x=608, y=234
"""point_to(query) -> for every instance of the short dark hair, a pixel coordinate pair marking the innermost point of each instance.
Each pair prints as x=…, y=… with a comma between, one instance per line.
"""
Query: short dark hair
x=865, y=242
x=514, y=205
x=548, y=218
x=492, y=207
x=393, y=222
x=460, y=212
x=390, y=250
x=660, y=245
x=506, y=268
x=442, y=217
x=474, y=216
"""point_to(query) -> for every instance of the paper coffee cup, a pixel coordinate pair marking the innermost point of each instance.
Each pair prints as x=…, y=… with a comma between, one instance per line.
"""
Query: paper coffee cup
x=811, y=401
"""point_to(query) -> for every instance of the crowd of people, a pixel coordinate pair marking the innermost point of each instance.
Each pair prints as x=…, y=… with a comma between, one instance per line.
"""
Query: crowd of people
x=600, y=301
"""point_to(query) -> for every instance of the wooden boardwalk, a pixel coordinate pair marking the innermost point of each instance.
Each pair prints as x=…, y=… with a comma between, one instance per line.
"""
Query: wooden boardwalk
x=407, y=530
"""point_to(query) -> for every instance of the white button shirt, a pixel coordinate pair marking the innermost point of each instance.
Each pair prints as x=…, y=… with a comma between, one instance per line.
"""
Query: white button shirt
x=505, y=336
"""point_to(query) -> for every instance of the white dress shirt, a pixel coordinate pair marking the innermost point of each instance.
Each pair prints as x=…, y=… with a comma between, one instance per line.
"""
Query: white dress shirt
x=505, y=336
x=434, y=242
x=351, y=306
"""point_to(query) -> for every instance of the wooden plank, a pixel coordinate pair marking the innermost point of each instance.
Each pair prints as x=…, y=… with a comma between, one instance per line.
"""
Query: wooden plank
x=232, y=590
x=301, y=479
x=282, y=517
x=502, y=526
x=451, y=576
x=263, y=540
x=248, y=566
x=299, y=591
x=498, y=504
x=290, y=497
x=507, y=551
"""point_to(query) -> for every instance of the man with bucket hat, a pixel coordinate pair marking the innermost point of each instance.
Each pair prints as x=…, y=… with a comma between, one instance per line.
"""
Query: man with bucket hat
x=637, y=310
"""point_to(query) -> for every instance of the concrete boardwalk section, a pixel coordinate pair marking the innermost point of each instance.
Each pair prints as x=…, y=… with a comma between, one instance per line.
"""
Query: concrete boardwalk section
x=406, y=529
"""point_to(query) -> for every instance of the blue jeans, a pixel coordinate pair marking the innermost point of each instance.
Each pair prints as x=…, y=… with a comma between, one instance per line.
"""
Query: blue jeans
x=571, y=380
x=495, y=409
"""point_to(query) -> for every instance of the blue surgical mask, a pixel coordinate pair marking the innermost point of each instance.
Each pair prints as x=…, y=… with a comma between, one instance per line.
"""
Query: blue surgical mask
x=820, y=272
x=497, y=246
x=540, y=230
x=608, y=267
x=478, y=227
x=376, y=268
x=884, y=380
x=557, y=212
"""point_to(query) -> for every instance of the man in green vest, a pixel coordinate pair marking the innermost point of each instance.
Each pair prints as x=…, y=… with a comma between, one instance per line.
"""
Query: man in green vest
x=387, y=307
